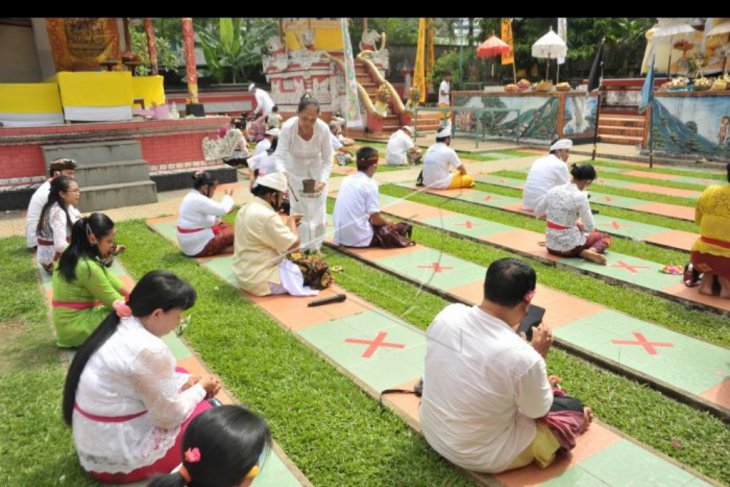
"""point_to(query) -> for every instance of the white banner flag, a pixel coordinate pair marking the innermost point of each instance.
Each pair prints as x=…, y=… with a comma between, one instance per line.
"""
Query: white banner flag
x=563, y=33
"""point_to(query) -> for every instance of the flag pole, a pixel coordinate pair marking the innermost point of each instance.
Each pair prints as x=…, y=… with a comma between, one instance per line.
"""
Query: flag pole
x=651, y=136
x=595, y=131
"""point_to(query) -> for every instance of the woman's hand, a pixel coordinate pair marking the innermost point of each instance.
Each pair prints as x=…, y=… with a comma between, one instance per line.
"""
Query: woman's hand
x=228, y=192
x=192, y=380
x=318, y=186
x=211, y=385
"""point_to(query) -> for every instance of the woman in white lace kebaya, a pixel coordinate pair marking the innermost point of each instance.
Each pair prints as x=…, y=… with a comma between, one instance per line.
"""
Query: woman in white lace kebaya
x=570, y=228
x=57, y=217
x=126, y=402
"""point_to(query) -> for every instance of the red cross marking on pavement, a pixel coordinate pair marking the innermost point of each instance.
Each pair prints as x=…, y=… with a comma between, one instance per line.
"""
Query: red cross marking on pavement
x=607, y=198
x=469, y=224
x=488, y=197
x=629, y=267
x=641, y=340
x=616, y=225
x=435, y=266
x=373, y=345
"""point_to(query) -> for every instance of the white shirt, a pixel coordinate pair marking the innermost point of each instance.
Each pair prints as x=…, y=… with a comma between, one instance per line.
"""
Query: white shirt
x=264, y=103
x=133, y=371
x=37, y=202
x=266, y=164
x=564, y=205
x=199, y=211
x=444, y=88
x=305, y=159
x=436, y=164
x=336, y=142
x=57, y=229
x=484, y=386
x=263, y=145
x=545, y=173
x=357, y=199
x=396, y=152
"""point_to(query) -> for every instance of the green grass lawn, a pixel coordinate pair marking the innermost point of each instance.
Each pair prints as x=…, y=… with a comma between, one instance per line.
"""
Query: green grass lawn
x=602, y=188
x=685, y=434
x=662, y=221
x=698, y=173
x=705, y=326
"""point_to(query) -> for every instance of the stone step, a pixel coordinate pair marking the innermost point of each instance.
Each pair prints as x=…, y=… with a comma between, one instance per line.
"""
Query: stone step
x=102, y=173
x=628, y=131
x=103, y=197
x=623, y=121
x=94, y=152
x=621, y=139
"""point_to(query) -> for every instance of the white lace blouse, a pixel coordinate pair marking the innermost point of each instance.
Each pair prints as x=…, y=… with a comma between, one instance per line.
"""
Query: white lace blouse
x=563, y=205
x=56, y=229
x=132, y=372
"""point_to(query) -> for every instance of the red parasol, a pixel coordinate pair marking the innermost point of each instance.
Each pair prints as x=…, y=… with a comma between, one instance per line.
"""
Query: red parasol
x=494, y=46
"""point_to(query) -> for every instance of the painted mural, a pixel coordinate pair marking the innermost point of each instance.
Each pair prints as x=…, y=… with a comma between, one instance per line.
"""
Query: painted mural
x=527, y=118
x=692, y=125
x=580, y=115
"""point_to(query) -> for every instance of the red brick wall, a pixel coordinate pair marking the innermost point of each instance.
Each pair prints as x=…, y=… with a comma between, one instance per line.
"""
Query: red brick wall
x=17, y=161
x=173, y=148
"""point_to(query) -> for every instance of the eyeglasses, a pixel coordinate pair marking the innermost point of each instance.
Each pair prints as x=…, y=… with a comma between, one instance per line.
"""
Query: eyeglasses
x=183, y=325
x=77, y=190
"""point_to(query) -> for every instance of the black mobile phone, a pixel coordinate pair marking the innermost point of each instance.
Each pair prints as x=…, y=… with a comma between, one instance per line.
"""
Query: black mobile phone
x=533, y=318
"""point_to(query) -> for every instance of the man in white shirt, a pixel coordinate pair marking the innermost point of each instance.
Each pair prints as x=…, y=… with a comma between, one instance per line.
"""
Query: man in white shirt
x=444, y=94
x=342, y=156
x=357, y=218
x=264, y=103
x=485, y=386
x=439, y=157
x=400, y=149
x=59, y=167
x=547, y=173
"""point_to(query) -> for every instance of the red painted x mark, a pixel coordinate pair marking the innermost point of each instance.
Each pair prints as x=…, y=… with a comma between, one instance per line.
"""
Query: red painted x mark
x=616, y=225
x=435, y=266
x=469, y=224
x=607, y=198
x=374, y=344
x=629, y=267
x=641, y=340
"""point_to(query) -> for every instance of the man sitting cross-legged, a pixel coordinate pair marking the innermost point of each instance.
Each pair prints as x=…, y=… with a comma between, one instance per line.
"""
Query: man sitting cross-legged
x=487, y=402
x=358, y=222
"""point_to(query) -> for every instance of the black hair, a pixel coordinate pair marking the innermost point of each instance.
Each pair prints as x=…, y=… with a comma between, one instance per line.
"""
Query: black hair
x=583, y=172
x=61, y=164
x=230, y=440
x=274, y=144
x=447, y=73
x=307, y=100
x=156, y=289
x=275, y=108
x=60, y=184
x=203, y=178
x=363, y=154
x=97, y=224
x=441, y=139
x=508, y=281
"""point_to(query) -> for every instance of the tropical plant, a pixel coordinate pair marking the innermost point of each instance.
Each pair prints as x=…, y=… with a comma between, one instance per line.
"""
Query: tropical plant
x=167, y=59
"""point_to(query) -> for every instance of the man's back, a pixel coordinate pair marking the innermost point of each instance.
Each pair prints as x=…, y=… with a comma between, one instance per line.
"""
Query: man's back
x=483, y=385
x=397, y=148
x=357, y=199
x=545, y=174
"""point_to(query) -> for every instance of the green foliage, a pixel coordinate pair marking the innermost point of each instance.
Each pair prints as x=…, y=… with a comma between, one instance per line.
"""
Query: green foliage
x=167, y=59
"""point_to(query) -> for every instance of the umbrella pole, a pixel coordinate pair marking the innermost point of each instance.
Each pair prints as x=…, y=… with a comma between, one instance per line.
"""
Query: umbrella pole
x=547, y=68
x=557, y=76
x=514, y=71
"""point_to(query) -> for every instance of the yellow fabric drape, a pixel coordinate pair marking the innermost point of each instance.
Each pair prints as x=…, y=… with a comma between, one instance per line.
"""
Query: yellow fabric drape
x=95, y=89
x=508, y=58
x=430, y=57
x=150, y=88
x=30, y=98
x=419, y=70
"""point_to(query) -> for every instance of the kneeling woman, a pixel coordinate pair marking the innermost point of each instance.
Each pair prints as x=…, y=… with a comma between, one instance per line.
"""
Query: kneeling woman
x=263, y=241
x=125, y=401
x=84, y=290
x=56, y=219
x=570, y=228
x=200, y=232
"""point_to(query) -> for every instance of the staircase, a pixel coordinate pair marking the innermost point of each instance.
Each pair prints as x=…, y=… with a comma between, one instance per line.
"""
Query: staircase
x=427, y=122
x=111, y=174
x=621, y=129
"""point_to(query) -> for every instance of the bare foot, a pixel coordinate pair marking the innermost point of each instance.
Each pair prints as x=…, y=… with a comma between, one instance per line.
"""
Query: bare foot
x=587, y=419
x=705, y=286
x=593, y=256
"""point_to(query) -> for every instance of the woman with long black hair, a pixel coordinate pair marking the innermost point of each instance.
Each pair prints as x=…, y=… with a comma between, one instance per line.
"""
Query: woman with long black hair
x=55, y=221
x=126, y=402
x=84, y=290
